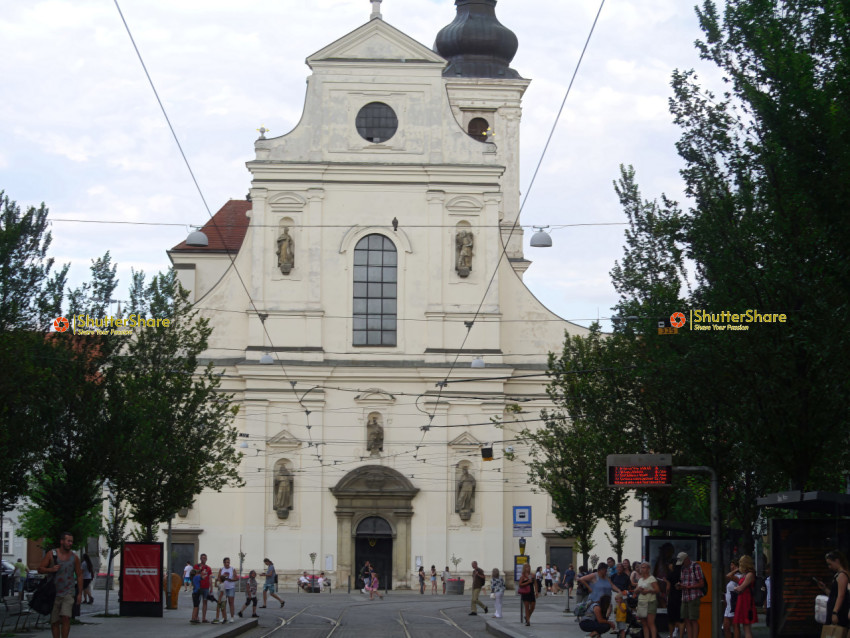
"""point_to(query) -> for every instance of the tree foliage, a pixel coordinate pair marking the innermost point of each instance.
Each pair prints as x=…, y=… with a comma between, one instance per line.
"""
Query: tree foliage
x=67, y=493
x=171, y=418
x=30, y=298
x=767, y=177
x=139, y=409
x=568, y=455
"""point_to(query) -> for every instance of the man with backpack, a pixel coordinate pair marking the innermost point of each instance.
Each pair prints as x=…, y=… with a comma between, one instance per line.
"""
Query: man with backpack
x=692, y=584
x=65, y=567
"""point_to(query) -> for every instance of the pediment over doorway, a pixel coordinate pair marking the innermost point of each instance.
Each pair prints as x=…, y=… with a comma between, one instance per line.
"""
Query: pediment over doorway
x=374, y=480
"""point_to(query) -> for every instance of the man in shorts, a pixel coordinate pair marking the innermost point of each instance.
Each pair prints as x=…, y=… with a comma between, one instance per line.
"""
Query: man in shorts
x=269, y=585
x=547, y=579
x=205, y=572
x=691, y=583
x=229, y=578
x=65, y=567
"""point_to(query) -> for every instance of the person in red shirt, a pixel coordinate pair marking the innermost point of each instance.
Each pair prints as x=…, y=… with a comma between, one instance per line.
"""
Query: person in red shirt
x=205, y=572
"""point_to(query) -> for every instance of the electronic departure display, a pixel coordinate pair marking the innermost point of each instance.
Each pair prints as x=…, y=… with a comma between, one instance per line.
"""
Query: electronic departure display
x=640, y=476
x=640, y=470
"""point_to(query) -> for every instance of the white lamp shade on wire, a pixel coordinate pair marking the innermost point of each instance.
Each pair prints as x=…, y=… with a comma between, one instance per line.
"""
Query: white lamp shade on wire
x=541, y=239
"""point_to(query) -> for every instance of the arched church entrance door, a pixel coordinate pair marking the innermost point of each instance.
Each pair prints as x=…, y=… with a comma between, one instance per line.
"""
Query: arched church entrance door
x=373, y=514
x=374, y=542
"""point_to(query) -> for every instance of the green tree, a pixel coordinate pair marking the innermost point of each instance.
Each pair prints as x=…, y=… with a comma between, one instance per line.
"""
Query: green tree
x=173, y=431
x=768, y=172
x=67, y=494
x=568, y=455
x=30, y=298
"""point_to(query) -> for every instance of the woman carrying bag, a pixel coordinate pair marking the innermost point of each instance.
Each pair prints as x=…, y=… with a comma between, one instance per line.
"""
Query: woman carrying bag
x=525, y=589
x=745, y=606
x=838, y=604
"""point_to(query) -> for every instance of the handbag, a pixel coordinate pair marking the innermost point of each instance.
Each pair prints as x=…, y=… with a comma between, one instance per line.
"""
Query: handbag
x=525, y=589
x=820, y=609
x=833, y=631
x=44, y=595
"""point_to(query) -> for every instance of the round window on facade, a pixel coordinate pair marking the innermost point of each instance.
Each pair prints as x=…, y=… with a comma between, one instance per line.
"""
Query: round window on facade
x=478, y=128
x=376, y=122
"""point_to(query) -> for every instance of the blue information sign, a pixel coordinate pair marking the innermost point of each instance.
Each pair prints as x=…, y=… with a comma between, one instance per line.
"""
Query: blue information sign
x=522, y=520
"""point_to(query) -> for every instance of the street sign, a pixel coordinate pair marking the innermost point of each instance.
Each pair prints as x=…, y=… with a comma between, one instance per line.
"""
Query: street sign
x=640, y=470
x=522, y=520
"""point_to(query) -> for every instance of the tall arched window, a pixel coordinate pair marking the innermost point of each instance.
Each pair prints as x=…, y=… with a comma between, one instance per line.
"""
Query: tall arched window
x=375, y=292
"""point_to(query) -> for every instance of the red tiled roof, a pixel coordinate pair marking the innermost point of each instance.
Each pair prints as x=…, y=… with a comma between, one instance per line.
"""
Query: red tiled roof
x=225, y=230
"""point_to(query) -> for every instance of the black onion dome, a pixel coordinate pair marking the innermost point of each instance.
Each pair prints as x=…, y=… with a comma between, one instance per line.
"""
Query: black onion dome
x=476, y=44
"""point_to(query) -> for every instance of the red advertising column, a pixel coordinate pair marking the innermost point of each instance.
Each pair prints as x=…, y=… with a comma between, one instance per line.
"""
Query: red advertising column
x=140, y=593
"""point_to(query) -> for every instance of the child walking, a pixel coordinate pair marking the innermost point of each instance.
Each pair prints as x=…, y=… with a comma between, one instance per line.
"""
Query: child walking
x=373, y=587
x=251, y=595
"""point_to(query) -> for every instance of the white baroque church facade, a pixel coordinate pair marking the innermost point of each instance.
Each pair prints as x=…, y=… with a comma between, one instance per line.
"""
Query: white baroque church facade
x=378, y=255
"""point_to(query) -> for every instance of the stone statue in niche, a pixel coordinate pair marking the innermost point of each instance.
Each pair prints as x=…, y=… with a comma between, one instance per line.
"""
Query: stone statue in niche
x=283, y=486
x=465, y=495
x=285, y=251
x=374, y=435
x=464, y=241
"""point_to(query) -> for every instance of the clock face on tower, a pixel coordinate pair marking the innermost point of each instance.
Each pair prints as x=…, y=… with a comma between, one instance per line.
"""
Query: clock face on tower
x=376, y=122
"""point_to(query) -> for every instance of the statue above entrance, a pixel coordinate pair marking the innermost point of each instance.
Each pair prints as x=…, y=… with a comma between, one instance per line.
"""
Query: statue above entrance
x=465, y=495
x=285, y=251
x=375, y=434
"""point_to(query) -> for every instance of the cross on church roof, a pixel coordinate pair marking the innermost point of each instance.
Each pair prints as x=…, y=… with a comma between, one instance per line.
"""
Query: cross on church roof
x=376, y=10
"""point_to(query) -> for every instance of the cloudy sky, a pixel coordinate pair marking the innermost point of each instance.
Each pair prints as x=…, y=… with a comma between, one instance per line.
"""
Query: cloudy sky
x=80, y=128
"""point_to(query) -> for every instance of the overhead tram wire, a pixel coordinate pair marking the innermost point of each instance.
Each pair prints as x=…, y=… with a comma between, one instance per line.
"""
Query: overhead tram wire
x=226, y=226
x=204, y=200
x=442, y=384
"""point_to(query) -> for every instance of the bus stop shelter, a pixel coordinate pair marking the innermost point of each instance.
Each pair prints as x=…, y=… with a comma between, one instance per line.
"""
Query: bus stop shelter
x=796, y=553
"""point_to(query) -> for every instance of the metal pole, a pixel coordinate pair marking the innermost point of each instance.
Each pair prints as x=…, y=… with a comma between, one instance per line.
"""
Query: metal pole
x=241, y=565
x=168, y=567
x=716, y=558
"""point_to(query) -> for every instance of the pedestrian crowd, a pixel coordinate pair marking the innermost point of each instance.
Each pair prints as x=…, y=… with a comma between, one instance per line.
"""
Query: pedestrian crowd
x=618, y=596
x=221, y=590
